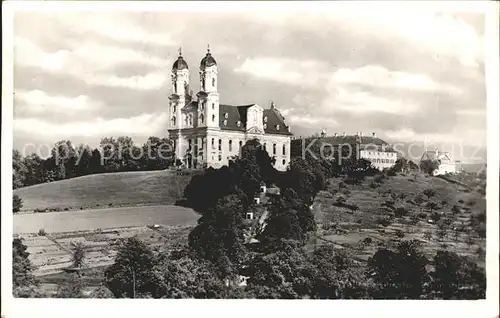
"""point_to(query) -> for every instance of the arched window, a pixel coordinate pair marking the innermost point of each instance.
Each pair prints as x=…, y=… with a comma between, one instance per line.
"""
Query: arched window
x=202, y=118
x=213, y=143
x=225, y=122
x=213, y=82
x=173, y=121
x=175, y=87
x=174, y=108
x=190, y=120
x=284, y=149
x=274, y=149
x=190, y=144
x=220, y=144
x=264, y=146
x=284, y=161
x=220, y=157
x=213, y=105
x=213, y=118
x=240, y=144
x=203, y=83
x=230, y=145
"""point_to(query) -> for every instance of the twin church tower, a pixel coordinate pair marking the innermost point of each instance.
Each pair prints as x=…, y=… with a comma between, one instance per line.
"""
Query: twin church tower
x=209, y=134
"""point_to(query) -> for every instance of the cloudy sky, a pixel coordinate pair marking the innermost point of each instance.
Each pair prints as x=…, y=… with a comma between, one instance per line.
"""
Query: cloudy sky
x=405, y=74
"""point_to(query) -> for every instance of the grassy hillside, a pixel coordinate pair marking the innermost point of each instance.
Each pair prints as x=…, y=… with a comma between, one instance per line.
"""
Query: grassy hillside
x=364, y=219
x=105, y=190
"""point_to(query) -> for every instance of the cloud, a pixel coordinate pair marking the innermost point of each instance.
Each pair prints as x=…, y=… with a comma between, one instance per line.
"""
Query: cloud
x=143, y=125
x=38, y=102
x=93, y=63
x=455, y=138
x=378, y=76
x=284, y=70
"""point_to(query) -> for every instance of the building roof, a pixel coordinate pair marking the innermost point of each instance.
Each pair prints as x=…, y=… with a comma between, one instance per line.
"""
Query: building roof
x=443, y=157
x=237, y=114
x=180, y=64
x=351, y=140
x=207, y=61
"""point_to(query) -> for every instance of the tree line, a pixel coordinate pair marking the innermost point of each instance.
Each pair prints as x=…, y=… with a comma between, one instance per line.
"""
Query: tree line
x=112, y=155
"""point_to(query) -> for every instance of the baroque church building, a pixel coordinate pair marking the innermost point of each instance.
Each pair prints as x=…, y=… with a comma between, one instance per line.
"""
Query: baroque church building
x=209, y=134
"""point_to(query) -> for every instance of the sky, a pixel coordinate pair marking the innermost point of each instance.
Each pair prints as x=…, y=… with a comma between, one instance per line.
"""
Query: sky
x=408, y=75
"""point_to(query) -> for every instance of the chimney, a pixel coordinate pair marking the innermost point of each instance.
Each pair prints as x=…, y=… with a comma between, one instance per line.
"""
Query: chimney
x=357, y=134
x=436, y=152
x=374, y=135
x=272, y=105
x=361, y=134
x=345, y=134
x=335, y=135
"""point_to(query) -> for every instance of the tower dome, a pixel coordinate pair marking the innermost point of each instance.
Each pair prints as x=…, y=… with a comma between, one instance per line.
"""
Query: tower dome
x=208, y=60
x=180, y=64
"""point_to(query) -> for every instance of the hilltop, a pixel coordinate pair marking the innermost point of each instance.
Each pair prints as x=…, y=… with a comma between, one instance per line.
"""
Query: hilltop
x=105, y=190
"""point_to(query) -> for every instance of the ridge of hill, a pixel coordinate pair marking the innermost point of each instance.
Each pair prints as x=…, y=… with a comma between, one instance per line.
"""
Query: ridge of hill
x=105, y=190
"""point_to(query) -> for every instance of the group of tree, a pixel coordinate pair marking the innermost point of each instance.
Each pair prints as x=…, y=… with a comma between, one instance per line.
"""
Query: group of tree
x=112, y=155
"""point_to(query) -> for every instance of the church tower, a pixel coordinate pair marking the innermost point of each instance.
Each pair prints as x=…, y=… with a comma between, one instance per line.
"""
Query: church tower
x=208, y=97
x=178, y=99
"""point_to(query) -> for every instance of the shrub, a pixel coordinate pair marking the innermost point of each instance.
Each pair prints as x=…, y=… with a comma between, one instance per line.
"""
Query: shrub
x=455, y=209
x=373, y=185
x=379, y=178
x=461, y=201
x=41, y=232
x=429, y=193
x=66, y=209
x=400, y=234
x=384, y=221
x=400, y=212
x=422, y=215
x=17, y=203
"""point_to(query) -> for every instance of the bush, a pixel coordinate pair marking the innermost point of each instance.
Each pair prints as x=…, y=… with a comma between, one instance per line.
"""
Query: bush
x=41, y=232
x=422, y=215
x=400, y=234
x=373, y=185
x=379, y=178
x=17, y=203
x=400, y=212
x=384, y=221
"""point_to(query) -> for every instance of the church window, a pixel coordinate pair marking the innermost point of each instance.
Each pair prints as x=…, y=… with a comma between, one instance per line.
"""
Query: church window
x=284, y=161
x=213, y=143
x=220, y=144
x=175, y=87
x=284, y=150
x=265, y=119
x=265, y=126
x=190, y=144
x=230, y=145
x=202, y=105
x=213, y=105
x=213, y=118
x=220, y=157
x=190, y=120
x=174, y=108
x=226, y=115
x=264, y=146
x=240, y=144
x=225, y=122
x=213, y=82
x=173, y=120
x=202, y=118
x=238, y=123
x=274, y=149
x=277, y=127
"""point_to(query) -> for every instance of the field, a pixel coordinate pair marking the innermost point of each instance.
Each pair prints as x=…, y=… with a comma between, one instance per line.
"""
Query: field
x=51, y=253
x=105, y=190
x=170, y=215
x=355, y=223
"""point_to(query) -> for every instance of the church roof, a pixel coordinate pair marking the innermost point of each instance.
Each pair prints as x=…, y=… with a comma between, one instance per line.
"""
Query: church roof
x=180, y=64
x=239, y=113
x=207, y=61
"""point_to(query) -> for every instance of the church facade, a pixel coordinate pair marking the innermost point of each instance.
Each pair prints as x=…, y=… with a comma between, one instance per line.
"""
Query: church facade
x=207, y=133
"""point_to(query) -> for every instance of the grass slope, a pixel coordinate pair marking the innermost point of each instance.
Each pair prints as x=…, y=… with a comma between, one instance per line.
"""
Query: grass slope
x=348, y=228
x=105, y=190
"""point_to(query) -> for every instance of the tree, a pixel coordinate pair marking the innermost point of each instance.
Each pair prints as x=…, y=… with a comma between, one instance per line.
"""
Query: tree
x=130, y=275
x=399, y=274
x=22, y=269
x=457, y=277
x=64, y=156
x=95, y=164
x=18, y=169
x=17, y=203
x=289, y=218
x=83, y=164
x=429, y=166
x=220, y=233
x=34, y=170
x=78, y=254
x=71, y=287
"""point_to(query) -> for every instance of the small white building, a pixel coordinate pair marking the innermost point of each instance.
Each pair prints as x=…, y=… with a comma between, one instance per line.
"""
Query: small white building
x=445, y=162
